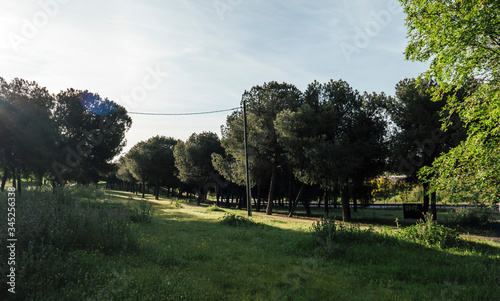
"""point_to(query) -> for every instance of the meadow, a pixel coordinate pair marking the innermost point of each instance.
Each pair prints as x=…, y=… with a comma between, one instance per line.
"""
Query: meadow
x=90, y=244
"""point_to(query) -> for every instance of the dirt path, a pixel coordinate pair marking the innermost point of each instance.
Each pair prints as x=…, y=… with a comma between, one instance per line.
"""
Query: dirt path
x=296, y=219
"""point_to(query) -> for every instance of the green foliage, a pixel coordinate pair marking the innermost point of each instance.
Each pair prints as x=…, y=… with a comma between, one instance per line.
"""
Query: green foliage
x=265, y=154
x=82, y=192
x=92, y=132
x=335, y=133
x=199, y=258
x=143, y=214
x=236, y=220
x=50, y=226
x=193, y=159
x=470, y=218
x=215, y=208
x=329, y=235
x=460, y=38
x=469, y=172
x=151, y=160
x=429, y=233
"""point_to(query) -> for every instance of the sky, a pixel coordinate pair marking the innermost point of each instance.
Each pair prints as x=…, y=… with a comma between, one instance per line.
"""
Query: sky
x=183, y=56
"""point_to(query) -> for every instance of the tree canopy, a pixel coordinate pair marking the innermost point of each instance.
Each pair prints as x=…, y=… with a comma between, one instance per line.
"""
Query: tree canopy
x=336, y=138
x=193, y=159
x=461, y=39
x=70, y=136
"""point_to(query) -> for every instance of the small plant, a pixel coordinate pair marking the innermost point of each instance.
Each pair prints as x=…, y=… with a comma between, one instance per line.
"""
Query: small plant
x=215, y=208
x=143, y=214
x=324, y=232
x=234, y=220
x=430, y=233
x=471, y=218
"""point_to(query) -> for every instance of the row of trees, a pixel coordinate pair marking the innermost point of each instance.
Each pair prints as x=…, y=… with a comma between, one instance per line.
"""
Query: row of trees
x=324, y=142
x=73, y=135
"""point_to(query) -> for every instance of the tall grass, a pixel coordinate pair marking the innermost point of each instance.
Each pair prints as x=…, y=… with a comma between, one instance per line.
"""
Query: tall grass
x=205, y=254
x=49, y=225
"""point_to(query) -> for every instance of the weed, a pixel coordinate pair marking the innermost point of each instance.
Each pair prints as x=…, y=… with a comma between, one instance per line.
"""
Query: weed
x=235, y=220
x=215, y=208
x=143, y=214
x=429, y=233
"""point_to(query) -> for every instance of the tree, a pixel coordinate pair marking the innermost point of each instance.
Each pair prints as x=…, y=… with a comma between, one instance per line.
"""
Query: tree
x=265, y=153
x=460, y=38
x=193, y=159
x=462, y=41
x=335, y=139
x=139, y=163
x=470, y=172
x=29, y=135
x=418, y=138
x=163, y=169
x=93, y=131
x=125, y=174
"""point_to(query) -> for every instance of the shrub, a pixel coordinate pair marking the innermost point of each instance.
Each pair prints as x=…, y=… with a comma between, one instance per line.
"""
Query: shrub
x=329, y=234
x=143, y=214
x=86, y=192
x=51, y=226
x=234, y=220
x=471, y=218
x=429, y=233
x=215, y=208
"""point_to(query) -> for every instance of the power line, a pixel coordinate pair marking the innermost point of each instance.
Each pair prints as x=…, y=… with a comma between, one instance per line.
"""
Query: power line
x=183, y=114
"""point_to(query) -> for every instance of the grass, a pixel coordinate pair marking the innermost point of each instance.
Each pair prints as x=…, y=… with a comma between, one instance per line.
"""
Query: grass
x=190, y=253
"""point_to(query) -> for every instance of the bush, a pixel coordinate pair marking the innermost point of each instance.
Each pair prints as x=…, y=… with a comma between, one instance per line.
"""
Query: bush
x=429, y=233
x=328, y=235
x=50, y=226
x=67, y=223
x=215, y=208
x=471, y=218
x=143, y=214
x=234, y=220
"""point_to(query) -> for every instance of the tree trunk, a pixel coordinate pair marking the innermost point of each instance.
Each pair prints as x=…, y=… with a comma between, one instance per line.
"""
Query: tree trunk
x=272, y=187
x=433, y=205
x=258, y=198
x=346, y=211
x=200, y=196
x=19, y=182
x=425, y=208
x=39, y=179
x=307, y=207
x=157, y=190
x=217, y=193
x=335, y=193
x=296, y=202
x=4, y=178
x=143, y=189
x=326, y=203
x=355, y=207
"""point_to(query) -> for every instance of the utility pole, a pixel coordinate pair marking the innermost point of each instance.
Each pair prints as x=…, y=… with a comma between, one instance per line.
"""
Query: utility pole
x=247, y=167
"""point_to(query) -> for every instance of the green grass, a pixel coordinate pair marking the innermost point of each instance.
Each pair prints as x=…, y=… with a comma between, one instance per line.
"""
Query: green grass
x=188, y=253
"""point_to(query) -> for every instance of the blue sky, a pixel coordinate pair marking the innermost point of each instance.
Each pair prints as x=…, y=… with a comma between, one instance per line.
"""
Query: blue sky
x=191, y=55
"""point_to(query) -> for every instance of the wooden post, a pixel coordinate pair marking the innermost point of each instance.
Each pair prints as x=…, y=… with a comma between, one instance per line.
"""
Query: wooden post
x=248, y=192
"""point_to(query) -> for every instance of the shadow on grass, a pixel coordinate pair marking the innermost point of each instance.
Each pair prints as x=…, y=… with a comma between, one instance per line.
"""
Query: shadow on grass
x=190, y=254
